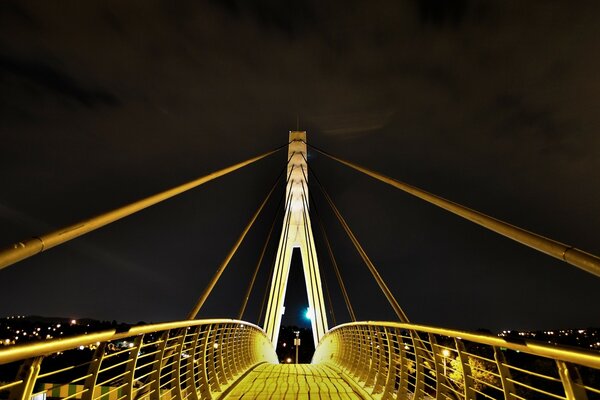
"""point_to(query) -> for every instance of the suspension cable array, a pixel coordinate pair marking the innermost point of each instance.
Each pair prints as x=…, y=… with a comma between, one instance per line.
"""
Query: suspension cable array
x=194, y=312
x=579, y=258
x=380, y=282
x=262, y=255
x=334, y=263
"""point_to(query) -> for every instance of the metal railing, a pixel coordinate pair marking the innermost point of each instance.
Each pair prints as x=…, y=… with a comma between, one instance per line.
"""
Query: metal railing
x=406, y=361
x=177, y=360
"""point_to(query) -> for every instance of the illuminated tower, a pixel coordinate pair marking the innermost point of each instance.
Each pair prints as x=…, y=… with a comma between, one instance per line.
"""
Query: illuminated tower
x=296, y=233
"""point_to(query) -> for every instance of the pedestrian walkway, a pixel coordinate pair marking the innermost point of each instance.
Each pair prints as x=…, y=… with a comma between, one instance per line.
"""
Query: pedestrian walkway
x=294, y=381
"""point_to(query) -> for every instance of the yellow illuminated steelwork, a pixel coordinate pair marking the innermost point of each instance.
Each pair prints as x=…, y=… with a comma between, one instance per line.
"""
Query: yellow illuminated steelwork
x=571, y=255
x=296, y=233
x=208, y=359
x=183, y=360
x=30, y=247
x=406, y=361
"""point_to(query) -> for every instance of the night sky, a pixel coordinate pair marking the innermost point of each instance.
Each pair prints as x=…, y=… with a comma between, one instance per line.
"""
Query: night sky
x=492, y=104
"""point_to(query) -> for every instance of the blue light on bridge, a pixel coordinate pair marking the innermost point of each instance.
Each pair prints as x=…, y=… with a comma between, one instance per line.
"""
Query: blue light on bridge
x=309, y=314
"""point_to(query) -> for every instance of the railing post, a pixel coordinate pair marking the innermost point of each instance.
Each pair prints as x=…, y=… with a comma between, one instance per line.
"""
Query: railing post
x=402, y=362
x=28, y=373
x=356, y=350
x=440, y=371
x=419, y=378
x=154, y=377
x=189, y=366
x=571, y=381
x=466, y=370
x=365, y=356
x=505, y=376
x=371, y=377
x=205, y=388
x=210, y=357
x=220, y=365
x=176, y=368
x=93, y=370
x=130, y=366
x=391, y=366
x=226, y=353
x=382, y=361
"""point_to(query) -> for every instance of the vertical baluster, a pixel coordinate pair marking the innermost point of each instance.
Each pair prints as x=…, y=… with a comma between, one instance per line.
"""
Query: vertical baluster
x=343, y=346
x=205, y=348
x=226, y=351
x=159, y=361
x=440, y=370
x=192, y=387
x=28, y=372
x=245, y=357
x=382, y=361
x=402, y=392
x=356, y=350
x=177, y=394
x=93, y=371
x=374, y=359
x=392, y=352
x=219, y=364
x=130, y=366
x=507, y=386
x=365, y=355
x=211, y=361
x=418, y=364
x=571, y=381
x=469, y=391
x=234, y=342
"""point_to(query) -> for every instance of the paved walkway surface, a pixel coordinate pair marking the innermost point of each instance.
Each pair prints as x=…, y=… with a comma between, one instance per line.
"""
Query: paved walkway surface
x=292, y=381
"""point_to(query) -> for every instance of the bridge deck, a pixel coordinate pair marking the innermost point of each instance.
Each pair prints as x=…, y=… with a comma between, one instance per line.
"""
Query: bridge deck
x=290, y=381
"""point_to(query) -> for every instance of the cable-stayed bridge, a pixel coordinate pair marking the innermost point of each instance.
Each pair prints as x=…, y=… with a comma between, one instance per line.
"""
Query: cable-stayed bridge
x=232, y=359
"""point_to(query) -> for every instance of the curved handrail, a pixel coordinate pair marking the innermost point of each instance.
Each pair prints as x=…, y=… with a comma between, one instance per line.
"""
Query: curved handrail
x=404, y=360
x=195, y=359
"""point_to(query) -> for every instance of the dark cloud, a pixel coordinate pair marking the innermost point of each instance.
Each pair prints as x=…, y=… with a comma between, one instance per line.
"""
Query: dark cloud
x=38, y=77
x=441, y=13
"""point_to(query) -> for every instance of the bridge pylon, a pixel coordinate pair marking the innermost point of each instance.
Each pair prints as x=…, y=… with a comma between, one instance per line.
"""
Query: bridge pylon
x=296, y=233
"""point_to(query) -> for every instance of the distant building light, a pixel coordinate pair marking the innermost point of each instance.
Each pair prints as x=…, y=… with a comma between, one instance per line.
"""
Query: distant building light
x=73, y=322
x=81, y=347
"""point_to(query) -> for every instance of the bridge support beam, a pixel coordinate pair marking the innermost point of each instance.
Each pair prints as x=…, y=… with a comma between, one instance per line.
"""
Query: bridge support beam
x=296, y=233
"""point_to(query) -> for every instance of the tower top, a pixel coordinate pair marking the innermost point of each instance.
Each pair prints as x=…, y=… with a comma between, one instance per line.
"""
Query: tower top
x=297, y=135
